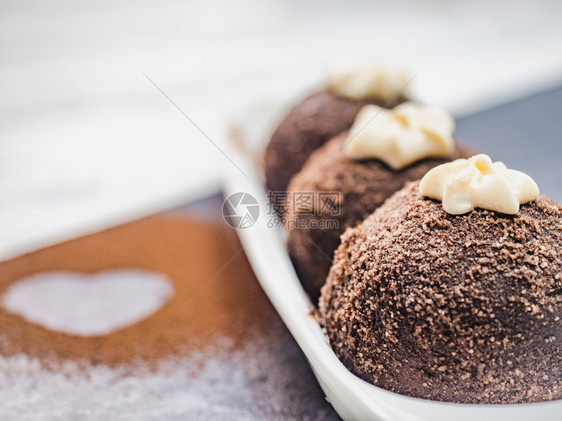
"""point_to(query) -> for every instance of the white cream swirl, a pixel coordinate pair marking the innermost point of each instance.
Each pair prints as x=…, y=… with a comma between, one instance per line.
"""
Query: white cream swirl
x=368, y=81
x=477, y=182
x=402, y=135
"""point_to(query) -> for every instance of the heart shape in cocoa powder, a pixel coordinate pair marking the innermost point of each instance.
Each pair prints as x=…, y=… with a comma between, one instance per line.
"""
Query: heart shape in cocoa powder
x=86, y=304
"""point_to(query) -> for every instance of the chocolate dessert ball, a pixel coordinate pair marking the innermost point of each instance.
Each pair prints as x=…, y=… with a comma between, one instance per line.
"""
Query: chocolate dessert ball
x=307, y=127
x=314, y=228
x=460, y=308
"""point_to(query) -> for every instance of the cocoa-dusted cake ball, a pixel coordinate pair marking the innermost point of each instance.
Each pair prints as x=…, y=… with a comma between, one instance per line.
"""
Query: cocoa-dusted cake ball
x=324, y=114
x=461, y=308
x=346, y=190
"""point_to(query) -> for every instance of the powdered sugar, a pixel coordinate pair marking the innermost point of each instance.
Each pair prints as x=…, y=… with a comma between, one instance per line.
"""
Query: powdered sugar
x=216, y=383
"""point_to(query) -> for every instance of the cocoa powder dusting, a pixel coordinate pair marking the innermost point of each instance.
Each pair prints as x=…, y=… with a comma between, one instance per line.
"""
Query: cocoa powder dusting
x=192, y=253
x=462, y=309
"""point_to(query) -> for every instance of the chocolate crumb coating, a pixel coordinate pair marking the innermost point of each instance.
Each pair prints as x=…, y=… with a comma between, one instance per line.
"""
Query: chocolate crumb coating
x=306, y=127
x=451, y=308
x=362, y=185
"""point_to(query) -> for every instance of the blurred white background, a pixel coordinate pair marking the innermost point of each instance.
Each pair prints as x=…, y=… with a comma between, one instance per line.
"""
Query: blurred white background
x=86, y=141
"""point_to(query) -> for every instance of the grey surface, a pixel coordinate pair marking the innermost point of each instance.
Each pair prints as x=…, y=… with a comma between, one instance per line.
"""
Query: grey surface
x=526, y=135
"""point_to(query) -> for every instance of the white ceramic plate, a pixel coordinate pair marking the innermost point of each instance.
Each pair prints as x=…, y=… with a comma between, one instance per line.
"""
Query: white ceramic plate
x=352, y=398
